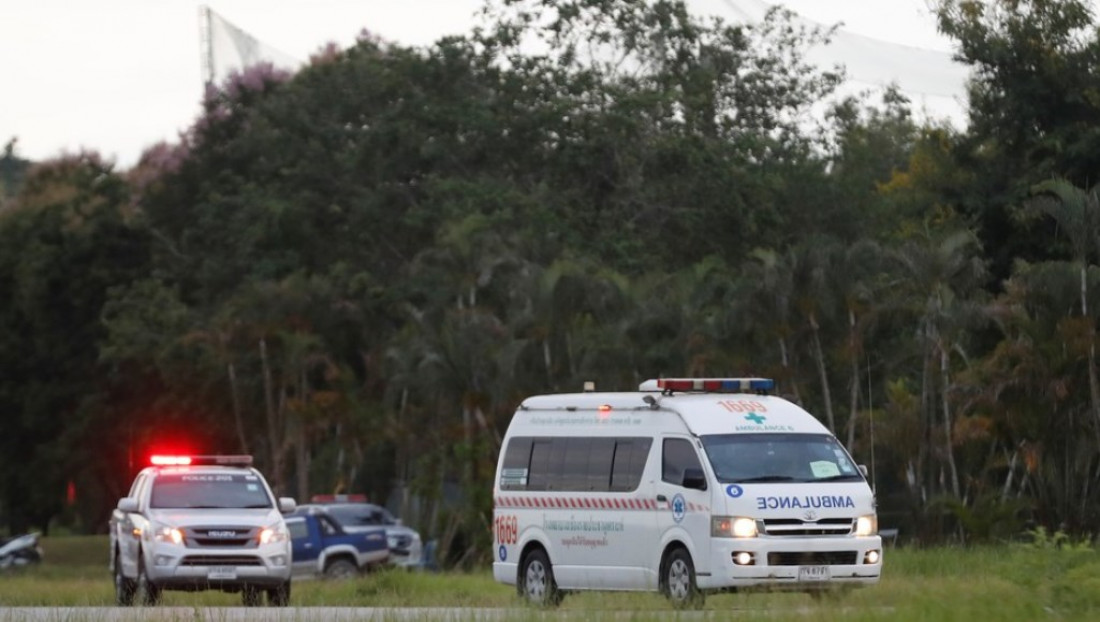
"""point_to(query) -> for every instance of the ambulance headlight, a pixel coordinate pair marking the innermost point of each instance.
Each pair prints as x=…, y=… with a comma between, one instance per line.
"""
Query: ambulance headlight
x=867, y=525
x=732, y=527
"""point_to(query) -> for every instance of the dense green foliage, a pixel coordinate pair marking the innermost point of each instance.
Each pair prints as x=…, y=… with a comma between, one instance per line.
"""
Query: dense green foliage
x=355, y=273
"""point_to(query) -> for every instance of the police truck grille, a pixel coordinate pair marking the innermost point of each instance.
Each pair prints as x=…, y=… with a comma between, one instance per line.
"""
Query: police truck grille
x=815, y=558
x=796, y=527
x=220, y=560
x=221, y=537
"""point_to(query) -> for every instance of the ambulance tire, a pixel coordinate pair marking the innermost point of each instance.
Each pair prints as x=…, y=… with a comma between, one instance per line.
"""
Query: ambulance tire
x=678, y=579
x=829, y=595
x=536, y=583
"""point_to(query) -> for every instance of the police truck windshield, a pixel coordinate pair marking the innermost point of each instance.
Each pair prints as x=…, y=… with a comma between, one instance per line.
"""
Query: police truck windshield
x=209, y=490
x=750, y=458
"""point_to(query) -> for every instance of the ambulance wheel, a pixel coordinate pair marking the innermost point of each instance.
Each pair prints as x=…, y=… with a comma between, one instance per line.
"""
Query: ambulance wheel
x=124, y=588
x=145, y=591
x=829, y=595
x=678, y=579
x=536, y=582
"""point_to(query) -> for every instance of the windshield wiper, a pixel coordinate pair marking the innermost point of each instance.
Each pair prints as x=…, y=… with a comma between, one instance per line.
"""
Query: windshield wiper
x=841, y=476
x=767, y=478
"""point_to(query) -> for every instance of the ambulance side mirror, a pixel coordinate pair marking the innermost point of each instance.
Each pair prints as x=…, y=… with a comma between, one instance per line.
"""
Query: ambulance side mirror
x=128, y=504
x=693, y=478
x=863, y=469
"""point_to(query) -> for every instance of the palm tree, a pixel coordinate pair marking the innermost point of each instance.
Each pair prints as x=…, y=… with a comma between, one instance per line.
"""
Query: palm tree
x=774, y=283
x=857, y=279
x=1077, y=212
x=941, y=270
x=815, y=298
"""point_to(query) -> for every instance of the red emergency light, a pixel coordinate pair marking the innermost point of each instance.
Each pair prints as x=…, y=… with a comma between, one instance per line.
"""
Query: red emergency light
x=235, y=460
x=717, y=385
x=351, y=498
x=170, y=460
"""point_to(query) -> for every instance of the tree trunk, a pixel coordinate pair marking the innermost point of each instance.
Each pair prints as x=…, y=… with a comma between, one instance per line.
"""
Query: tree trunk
x=925, y=427
x=819, y=355
x=948, y=444
x=274, y=444
x=237, y=419
x=853, y=395
x=1094, y=384
x=785, y=358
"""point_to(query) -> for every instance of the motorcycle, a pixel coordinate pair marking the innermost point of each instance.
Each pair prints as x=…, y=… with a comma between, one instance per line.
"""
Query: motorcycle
x=20, y=551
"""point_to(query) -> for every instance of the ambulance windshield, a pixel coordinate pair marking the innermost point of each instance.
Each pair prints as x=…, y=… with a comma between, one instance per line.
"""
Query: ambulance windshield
x=747, y=458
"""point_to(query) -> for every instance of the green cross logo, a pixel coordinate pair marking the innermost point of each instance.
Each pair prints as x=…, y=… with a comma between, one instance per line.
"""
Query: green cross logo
x=755, y=418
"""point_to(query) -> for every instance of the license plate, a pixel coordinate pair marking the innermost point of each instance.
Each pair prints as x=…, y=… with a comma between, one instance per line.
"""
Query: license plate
x=221, y=574
x=813, y=573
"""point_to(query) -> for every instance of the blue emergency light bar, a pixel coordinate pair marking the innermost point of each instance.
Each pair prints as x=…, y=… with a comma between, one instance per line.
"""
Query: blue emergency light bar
x=717, y=385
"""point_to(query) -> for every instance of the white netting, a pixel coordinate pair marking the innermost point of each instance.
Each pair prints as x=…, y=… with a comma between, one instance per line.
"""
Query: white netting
x=930, y=78
x=228, y=49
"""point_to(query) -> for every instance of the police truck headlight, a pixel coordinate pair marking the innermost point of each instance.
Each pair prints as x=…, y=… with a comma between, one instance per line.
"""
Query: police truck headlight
x=867, y=525
x=165, y=533
x=733, y=527
x=273, y=534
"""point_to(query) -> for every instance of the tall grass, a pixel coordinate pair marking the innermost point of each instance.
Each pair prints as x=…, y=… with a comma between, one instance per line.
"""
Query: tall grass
x=1047, y=581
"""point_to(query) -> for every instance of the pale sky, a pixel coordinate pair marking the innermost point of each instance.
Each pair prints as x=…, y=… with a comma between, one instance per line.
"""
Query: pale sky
x=117, y=76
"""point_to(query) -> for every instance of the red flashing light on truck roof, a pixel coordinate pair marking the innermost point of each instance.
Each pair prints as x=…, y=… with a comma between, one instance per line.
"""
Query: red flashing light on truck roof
x=717, y=385
x=238, y=460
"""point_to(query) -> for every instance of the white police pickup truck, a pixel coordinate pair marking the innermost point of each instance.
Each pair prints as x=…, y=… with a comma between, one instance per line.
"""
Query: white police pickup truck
x=194, y=523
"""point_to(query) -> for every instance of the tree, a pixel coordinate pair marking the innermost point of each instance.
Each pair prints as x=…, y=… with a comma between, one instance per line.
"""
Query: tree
x=63, y=244
x=1077, y=212
x=942, y=271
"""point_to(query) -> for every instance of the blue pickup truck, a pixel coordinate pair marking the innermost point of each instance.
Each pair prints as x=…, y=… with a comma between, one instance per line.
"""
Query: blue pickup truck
x=321, y=548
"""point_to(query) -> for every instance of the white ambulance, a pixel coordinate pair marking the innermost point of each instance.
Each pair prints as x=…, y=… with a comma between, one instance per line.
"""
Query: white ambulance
x=686, y=486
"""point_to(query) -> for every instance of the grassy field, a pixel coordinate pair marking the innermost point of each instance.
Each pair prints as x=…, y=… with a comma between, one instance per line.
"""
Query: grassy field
x=1009, y=582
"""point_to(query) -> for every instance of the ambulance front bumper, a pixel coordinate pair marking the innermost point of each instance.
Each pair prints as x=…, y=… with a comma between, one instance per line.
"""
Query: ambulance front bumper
x=793, y=563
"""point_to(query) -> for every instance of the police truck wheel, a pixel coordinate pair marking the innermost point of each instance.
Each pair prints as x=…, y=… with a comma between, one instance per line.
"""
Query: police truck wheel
x=124, y=588
x=251, y=596
x=678, y=580
x=280, y=596
x=536, y=581
x=145, y=591
x=340, y=570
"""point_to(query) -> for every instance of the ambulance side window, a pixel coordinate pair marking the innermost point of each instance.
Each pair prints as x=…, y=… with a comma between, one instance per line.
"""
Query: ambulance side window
x=592, y=464
x=517, y=464
x=678, y=455
x=540, y=478
x=599, y=464
x=575, y=467
x=628, y=463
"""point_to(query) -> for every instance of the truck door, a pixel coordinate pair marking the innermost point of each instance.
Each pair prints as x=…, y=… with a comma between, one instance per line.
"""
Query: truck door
x=304, y=546
x=683, y=513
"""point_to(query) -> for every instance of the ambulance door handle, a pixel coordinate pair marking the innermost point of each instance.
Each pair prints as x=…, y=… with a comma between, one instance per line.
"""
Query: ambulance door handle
x=662, y=498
